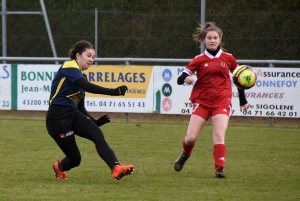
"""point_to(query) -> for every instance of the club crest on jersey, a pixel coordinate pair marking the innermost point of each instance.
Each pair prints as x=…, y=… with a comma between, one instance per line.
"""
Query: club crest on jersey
x=76, y=97
x=223, y=64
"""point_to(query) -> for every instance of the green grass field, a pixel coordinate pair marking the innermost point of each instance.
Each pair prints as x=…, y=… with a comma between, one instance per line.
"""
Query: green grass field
x=262, y=164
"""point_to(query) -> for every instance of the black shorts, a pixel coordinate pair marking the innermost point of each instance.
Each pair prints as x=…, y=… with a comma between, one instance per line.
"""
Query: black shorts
x=64, y=120
x=59, y=119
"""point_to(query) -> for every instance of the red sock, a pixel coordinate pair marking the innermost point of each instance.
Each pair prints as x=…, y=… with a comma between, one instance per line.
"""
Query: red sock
x=219, y=155
x=187, y=149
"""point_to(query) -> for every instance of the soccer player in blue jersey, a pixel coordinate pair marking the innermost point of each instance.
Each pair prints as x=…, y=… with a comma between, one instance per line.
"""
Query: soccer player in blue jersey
x=67, y=116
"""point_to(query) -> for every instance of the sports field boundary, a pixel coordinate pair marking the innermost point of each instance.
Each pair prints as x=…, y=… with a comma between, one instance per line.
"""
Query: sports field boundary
x=151, y=117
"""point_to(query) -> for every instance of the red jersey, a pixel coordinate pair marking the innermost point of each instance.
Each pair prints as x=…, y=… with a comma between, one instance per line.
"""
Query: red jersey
x=213, y=85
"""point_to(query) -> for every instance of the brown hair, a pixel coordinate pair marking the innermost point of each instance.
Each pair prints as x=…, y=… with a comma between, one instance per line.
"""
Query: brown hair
x=80, y=47
x=201, y=32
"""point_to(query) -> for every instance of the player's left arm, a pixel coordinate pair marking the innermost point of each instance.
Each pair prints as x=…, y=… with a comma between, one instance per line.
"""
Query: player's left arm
x=99, y=122
x=244, y=105
x=232, y=64
x=82, y=109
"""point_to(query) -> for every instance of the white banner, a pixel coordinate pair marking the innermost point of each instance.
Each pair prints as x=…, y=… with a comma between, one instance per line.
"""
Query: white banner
x=34, y=84
x=171, y=98
x=5, y=87
x=275, y=94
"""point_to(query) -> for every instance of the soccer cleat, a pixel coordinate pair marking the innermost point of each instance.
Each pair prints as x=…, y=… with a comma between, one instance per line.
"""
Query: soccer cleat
x=220, y=173
x=178, y=165
x=58, y=173
x=121, y=170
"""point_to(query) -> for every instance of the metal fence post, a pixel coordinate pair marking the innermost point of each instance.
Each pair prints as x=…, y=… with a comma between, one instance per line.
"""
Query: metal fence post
x=271, y=119
x=96, y=33
x=48, y=29
x=127, y=63
x=202, y=21
x=4, y=42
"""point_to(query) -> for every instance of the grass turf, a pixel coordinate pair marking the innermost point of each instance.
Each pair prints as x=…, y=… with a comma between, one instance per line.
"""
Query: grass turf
x=262, y=164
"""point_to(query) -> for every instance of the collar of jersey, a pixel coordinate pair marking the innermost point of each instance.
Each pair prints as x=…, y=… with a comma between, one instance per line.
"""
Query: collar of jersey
x=211, y=56
x=77, y=65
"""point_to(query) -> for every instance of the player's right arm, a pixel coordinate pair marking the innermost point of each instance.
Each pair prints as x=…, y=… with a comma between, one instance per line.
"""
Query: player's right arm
x=181, y=78
x=93, y=88
x=72, y=72
x=187, y=74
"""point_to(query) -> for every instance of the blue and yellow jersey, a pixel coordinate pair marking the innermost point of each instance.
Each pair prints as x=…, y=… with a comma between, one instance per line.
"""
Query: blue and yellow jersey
x=63, y=89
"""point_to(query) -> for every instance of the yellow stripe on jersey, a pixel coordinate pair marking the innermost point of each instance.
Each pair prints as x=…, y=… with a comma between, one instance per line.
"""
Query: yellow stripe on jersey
x=71, y=64
x=58, y=88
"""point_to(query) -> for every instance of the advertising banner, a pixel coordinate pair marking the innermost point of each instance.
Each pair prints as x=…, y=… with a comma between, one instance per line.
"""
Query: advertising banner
x=5, y=87
x=171, y=98
x=34, y=84
x=138, y=98
x=275, y=94
x=150, y=89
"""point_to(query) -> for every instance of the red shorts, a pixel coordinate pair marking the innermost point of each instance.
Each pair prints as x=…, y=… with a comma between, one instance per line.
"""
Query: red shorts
x=206, y=112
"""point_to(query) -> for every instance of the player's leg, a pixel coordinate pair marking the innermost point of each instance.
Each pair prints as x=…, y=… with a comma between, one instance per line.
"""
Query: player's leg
x=67, y=143
x=65, y=139
x=220, y=120
x=198, y=118
x=60, y=130
x=89, y=130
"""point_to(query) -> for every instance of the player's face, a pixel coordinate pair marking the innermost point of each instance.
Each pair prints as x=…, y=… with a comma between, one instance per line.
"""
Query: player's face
x=85, y=60
x=212, y=40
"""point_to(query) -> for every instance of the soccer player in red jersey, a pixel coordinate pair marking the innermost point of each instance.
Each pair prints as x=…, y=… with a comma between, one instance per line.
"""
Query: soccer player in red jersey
x=211, y=95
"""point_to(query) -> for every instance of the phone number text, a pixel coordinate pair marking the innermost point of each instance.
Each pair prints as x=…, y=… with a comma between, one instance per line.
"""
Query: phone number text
x=269, y=113
x=129, y=104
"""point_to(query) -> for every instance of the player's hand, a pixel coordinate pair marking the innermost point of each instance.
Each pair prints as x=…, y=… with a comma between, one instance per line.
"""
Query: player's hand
x=102, y=120
x=120, y=91
x=189, y=80
x=245, y=107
